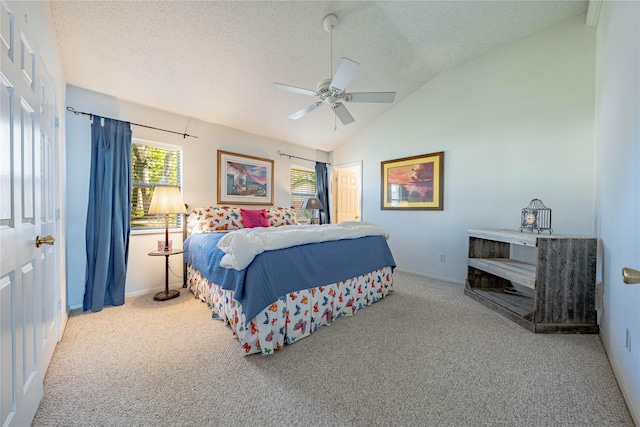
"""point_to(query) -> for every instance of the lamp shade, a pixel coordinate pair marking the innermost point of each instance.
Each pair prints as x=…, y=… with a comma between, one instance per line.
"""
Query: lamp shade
x=167, y=200
x=311, y=203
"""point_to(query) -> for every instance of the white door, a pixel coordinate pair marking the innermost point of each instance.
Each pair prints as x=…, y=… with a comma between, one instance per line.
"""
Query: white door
x=28, y=208
x=48, y=285
x=346, y=194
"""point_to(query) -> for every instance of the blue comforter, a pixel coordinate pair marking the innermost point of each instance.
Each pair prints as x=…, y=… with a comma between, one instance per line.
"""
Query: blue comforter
x=279, y=272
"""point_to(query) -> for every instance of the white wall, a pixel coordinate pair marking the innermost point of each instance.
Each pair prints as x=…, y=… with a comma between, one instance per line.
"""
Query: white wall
x=145, y=273
x=515, y=125
x=618, y=187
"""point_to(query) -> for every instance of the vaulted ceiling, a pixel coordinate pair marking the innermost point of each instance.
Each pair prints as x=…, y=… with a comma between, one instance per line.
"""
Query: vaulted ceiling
x=217, y=61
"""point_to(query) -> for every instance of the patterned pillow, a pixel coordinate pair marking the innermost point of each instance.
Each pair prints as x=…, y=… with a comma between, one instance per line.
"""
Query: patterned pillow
x=222, y=218
x=227, y=218
x=195, y=223
x=281, y=216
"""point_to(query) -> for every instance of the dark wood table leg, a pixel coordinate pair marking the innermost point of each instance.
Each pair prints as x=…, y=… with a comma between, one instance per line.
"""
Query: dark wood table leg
x=166, y=294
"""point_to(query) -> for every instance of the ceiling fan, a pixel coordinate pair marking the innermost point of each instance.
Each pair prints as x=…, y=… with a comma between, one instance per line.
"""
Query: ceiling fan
x=332, y=91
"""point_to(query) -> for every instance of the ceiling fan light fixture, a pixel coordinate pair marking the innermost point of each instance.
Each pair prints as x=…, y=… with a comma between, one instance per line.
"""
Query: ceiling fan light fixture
x=331, y=99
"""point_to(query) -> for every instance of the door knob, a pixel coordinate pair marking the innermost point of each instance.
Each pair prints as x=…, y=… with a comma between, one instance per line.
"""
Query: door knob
x=46, y=240
x=630, y=276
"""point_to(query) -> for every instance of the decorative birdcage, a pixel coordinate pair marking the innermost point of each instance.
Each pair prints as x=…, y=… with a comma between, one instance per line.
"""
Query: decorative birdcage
x=536, y=217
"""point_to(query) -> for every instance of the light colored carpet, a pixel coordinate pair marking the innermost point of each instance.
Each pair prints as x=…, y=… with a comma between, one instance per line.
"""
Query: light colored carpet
x=426, y=356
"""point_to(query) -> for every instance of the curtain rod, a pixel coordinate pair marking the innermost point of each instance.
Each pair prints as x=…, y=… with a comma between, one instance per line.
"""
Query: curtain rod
x=184, y=135
x=280, y=153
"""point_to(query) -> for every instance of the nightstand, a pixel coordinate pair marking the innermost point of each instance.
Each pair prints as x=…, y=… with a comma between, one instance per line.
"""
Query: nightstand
x=166, y=294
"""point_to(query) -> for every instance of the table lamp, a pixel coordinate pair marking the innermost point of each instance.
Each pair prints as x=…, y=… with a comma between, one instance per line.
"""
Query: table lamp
x=313, y=204
x=167, y=201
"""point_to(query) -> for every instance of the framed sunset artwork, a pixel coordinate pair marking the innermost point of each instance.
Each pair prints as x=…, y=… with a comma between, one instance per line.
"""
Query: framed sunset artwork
x=413, y=183
x=244, y=180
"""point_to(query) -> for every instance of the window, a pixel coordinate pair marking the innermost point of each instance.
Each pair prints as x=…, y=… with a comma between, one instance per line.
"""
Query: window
x=303, y=185
x=152, y=164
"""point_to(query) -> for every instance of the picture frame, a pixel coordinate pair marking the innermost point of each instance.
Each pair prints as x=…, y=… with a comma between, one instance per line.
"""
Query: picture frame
x=244, y=180
x=413, y=183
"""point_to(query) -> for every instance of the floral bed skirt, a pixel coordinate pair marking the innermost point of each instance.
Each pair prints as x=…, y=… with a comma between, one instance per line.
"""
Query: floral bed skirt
x=295, y=315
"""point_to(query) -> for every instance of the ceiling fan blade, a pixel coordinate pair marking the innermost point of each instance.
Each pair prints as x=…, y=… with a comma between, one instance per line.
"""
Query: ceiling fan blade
x=345, y=72
x=371, y=97
x=342, y=113
x=294, y=89
x=305, y=111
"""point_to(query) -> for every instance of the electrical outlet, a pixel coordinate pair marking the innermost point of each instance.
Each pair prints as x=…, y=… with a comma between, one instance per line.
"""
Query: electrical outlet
x=442, y=258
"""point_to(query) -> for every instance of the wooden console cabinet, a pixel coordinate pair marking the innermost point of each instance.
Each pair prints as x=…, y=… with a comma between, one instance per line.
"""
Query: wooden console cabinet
x=552, y=292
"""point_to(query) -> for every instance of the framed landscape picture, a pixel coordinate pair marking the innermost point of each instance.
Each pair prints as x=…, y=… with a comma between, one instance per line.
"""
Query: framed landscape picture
x=244, y=180
x=413, y=182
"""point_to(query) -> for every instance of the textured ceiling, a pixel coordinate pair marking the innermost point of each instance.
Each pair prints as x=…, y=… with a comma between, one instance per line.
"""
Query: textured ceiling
x=216, y=61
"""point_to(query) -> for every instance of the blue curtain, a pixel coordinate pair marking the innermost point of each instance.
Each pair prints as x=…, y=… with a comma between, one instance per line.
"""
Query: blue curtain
x=322, y=191
x=108, y=213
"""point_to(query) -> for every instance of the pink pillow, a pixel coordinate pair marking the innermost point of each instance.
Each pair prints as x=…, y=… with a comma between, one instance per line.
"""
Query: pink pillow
x=254, y=218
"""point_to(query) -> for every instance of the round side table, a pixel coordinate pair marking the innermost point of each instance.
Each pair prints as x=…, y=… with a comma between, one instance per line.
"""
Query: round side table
x=166, y=294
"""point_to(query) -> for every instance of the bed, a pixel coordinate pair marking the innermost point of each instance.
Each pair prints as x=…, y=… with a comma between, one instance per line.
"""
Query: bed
x=269, y=278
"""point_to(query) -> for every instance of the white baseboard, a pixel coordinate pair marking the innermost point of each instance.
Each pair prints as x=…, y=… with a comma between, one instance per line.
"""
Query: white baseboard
x=626, y=394
x=138, y=293
x=444, y=279
x=153, y=290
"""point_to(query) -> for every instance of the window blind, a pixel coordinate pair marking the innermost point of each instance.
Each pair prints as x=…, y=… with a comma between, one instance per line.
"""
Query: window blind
x=151, y=166
x=303, y=185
